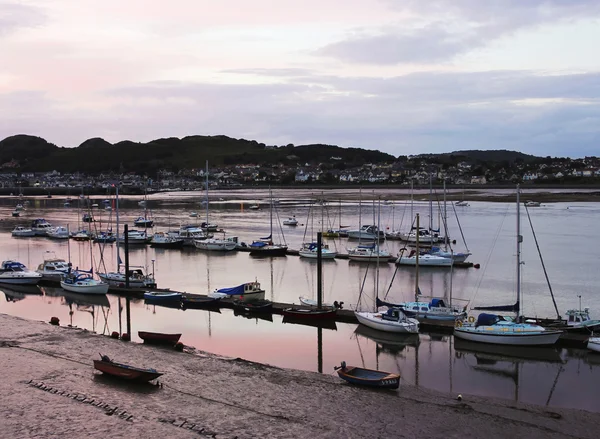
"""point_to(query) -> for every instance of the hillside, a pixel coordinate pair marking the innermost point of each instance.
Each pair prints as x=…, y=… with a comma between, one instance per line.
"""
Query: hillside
x=95, y=155
x=480, y=156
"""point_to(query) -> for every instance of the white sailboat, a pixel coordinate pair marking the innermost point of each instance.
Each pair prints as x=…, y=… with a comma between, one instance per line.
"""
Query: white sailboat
x=81, y=281
x=496, y=329
x=310, y=250
x=266, y=246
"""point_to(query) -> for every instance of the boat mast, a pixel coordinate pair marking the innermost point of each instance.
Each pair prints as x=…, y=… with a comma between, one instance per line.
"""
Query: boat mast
x=271, y=213
x=417, y=264
x=430, y=203
x=445, y=219
x=519, y=241
x=117, y=216
x=207, y=197
x=319, y=270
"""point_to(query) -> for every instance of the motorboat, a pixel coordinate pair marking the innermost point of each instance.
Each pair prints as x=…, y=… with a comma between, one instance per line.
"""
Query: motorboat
x=53, y=269
x=19, y=207
x=164, y=240
x=254, y=206
x=87, y=218
x=248, y=291
x=137, y=278
x=142, y=203
x=215, y=244
x=143, y=222
x=15, y=273
x=59, y=232
x=135, y=237
x=16, y=213
x=461, y=203
x=209, y=227
x=40, y=226
x=366, y=253
x=532, y=203
x=392, y=320
x=267, y=248
x=81, y=235
x=105, y=237
x=434, y=311
x=82, y=282
x=22, y=232
x=425, y=236
x=366, y=233
x=424, y=260
x=291, y=221
x=189, y=233
x=309, y=250
x=193, y=215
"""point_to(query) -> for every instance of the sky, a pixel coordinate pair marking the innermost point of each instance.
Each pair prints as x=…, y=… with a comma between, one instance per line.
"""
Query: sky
x=400, y=76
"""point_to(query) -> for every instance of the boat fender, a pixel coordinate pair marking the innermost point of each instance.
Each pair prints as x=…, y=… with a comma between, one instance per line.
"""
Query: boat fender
x=114, y=335
x=458, y=324
x=471, y=319
x=54, y=321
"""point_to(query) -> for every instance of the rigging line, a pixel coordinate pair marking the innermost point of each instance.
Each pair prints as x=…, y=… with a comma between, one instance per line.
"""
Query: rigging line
x=542, y=261
x=489, y=255
x=362, y=287
x=460, y=227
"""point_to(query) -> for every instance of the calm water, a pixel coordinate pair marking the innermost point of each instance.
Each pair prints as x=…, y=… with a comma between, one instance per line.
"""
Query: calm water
x=566, y=233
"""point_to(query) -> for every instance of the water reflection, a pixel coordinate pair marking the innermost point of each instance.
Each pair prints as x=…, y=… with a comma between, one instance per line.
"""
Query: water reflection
x=14, y=293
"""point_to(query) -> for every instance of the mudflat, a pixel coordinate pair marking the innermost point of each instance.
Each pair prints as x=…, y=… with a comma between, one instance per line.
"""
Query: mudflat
x=50, y=389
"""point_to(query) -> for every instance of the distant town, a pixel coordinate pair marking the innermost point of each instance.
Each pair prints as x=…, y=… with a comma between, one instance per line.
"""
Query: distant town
x=403, y=171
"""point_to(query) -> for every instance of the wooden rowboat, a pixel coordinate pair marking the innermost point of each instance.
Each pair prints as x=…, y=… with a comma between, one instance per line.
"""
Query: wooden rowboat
x=159, y=337
x=368, y=377
x=255, y=306
x=310, y=314
x=124, y=371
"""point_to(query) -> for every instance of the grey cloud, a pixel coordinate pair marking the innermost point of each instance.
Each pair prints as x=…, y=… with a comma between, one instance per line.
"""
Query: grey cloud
x=274, y=72
x=17, y=15
x=454, y=27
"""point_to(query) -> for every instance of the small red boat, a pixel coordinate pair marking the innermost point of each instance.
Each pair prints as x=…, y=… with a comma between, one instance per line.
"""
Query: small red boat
x=124, y=371
x=310, y=314
x=159, y=337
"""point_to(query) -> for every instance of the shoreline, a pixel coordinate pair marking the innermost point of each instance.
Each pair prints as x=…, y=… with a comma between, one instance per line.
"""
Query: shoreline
x=231, y=397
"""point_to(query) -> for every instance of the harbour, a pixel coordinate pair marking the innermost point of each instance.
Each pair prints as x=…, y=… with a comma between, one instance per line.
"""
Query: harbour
x=432, y=360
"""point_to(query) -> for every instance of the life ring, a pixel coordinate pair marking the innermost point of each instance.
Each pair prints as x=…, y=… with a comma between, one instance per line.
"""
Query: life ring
x=458, y=324
x=471, y=319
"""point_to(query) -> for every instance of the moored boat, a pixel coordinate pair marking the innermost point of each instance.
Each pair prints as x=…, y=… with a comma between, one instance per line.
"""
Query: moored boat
x=215, y=244
x=58, y=233
x=159, y=298
x=310, y=314
x=83, y=282
x=392, y=320
x=40, y=226
x=253, y=306
x=291, y=221
x=368, y=377
x=53, y=269
x=159, y=337
x=593, y=344
x=192, y=301
x=164, y=240
x=137, y=278
x=366, y=233
x=125, y=371
x=22, y=232
x=246, y=292
x=15, y=273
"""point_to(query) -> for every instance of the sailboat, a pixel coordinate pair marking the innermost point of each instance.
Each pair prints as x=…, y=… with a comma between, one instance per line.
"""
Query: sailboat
x=266, y=246
x=82, y=281
x=496, y=329
x=309, y=249
x=137, y=278
x=144, y=221
x=435, y=312
x=372, y=251
x=319, y=313
x=462, y=202
x=392, y=320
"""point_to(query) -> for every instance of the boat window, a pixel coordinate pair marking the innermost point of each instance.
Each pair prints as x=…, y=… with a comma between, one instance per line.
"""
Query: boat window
x=415, y=308
x=424, y=308
x=571, y=318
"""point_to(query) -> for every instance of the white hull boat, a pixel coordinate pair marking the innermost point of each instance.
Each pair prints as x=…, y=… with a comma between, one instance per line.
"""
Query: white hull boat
x=311, y=302
x=456, y=257
x=53, y=269
x=292, y=221
x=58, y=233
x=367, y=254
x=137, y=279
x=515, y=334
x=593, y=344
x=425, y=261
x=393, y=320
x=22, y=232
x=309, y=250
x=15, y=273
x=366, y=233
x=40, y=227
x=246, y=292
x=218, y=245
x=83, y=284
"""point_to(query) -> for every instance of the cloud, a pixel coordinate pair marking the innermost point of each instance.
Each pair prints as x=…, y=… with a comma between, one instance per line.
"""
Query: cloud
x=273, y=72
x=14, y=16
x=439, y=30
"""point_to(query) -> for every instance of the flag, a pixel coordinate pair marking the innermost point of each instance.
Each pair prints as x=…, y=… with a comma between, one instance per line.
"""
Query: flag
x=419, y=292
x=119, y=261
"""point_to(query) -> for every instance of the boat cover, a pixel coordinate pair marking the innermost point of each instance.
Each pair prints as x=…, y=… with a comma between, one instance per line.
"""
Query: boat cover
x=233, y=291
x=258, y=244
x=437, y=303
x=487, y=319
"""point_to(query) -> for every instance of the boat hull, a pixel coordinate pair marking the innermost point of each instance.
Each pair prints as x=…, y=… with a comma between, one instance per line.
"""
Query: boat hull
x=120, y=281
x=593, y=344
x=314, y=255
x=370, y=320
x=269, y=251
x=425, y=261
x=545, y=338
x=125, y=372
x=85, y=289
x=310, y=314
x=25, y=280
x=216, y=246
x=369, y=378
x=159, y=337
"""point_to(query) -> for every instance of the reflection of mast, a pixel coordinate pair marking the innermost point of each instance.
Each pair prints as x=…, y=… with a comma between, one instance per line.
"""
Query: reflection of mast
x=320, y=350
x=271, y=266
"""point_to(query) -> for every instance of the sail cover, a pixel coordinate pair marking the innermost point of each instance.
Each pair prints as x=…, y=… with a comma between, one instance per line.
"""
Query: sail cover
x=505, y=308
x=233, y=291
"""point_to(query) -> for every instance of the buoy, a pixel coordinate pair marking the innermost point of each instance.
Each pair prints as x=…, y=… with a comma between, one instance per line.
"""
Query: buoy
x=125, y=337
x=476, y=266
x=54, y=321
x=114, y=335
x=454, y=241
x=459, y=397
x=179, y=346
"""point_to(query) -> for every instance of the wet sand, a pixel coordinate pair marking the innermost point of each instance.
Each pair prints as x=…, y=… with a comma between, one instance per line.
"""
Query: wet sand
x=50, y=389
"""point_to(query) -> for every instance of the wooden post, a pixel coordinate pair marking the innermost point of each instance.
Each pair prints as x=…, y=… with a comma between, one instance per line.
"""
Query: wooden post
x=127, y=301
x=319, y=270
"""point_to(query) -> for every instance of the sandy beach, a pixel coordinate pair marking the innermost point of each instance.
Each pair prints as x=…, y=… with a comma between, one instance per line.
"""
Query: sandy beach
x=50, y=389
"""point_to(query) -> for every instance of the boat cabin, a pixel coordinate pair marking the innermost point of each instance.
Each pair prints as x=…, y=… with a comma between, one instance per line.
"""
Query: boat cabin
x=8, y=266
x=577, y=317
x=393, y=314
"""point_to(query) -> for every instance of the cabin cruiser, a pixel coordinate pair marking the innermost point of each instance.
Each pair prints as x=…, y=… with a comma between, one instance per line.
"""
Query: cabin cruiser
x=135, y=237
x=245, y=292
x=208, y=227
x=291, y=221
x=215, y=244
x=367, y=233
x=137, y=278
x=141, y=221
x=425, y=236
x=58, y=233
x=40, y=227
x=424, y=260
x=309, y=250
x=53, y=269
x=164, y=240
x=21, y=232
x=189, y=233
x=13, y=272
x=366, y=253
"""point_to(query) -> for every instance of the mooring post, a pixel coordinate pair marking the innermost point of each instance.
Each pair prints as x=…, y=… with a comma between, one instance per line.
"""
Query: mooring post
x=127, y=301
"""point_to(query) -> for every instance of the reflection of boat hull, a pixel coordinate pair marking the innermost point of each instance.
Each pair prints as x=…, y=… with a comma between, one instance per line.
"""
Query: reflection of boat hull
x=547, y=354
x=85, y=299
x=315, y=323
x=593, y=344
x=19, y=292
x=253, y=315
x=200, y=302
x=388, y=340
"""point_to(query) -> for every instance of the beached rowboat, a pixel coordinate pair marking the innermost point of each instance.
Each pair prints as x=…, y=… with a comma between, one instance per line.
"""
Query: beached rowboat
x=368, y=377
x=159, y=337
x=124, y=371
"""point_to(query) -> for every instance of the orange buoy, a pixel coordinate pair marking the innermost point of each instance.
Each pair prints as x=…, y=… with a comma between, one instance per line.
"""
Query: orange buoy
x=115, y=335
x=476, y=266
x=125, y=337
